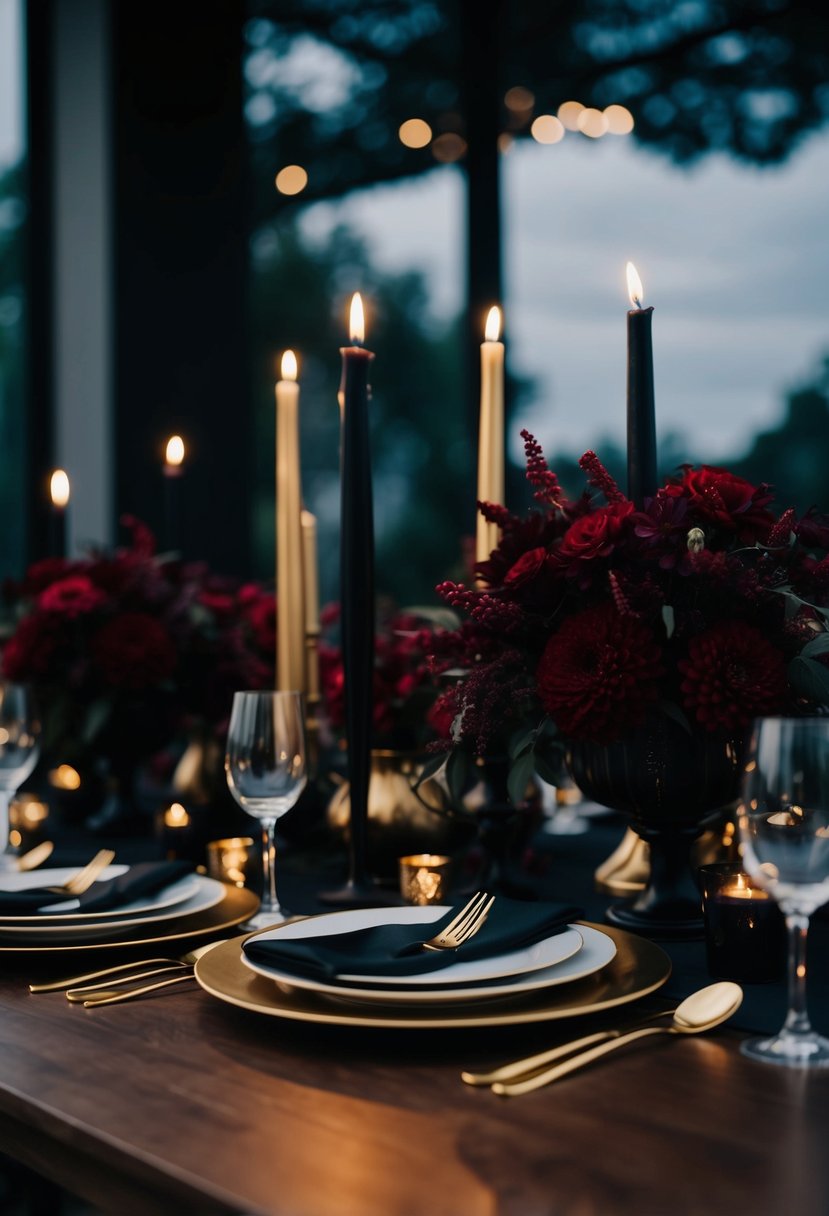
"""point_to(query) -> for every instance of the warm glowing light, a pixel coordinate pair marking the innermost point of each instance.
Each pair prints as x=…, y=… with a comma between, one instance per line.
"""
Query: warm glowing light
x=289, y=367
x=65, y=777
x=505, y=142
x=414, y=133
x=568, y=113
x=15, y=839
x=592, y=123
x=751, y=766
x=519, y=99
x=176, y=816
x=59, y=488
x=292, y=179
x=357, y=321
x=174, y=454
x=492, y=329
x=448, y=147
x=547, y=129
x=634, y=285
x=619, y=120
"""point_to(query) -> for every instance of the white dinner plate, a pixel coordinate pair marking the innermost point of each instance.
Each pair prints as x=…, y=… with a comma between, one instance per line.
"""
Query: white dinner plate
x=597, y=950
x=573, y=954
x=68, y=911
x=206, y=893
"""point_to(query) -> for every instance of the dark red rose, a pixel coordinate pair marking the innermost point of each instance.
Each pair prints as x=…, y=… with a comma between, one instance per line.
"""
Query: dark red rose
x=593, y=536
x=527, y=568
x=29, y=653
x=732, y=674
x=71, y=596
x=599, y=673
x=261, y=616
x=726, y=500
x=42, y=574
x=134, y=651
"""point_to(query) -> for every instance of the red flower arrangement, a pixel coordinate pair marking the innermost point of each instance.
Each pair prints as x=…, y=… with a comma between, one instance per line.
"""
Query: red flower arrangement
x=591, y=614
x=125, y=650
x=404, y=692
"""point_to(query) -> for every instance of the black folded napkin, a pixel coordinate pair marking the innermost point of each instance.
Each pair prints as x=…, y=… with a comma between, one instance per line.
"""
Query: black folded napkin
x=146, y=878
x=384, y=950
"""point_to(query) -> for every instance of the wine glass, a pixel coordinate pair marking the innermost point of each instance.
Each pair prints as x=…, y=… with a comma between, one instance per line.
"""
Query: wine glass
x=784, y=830
x=265, y=770
x=19, y=751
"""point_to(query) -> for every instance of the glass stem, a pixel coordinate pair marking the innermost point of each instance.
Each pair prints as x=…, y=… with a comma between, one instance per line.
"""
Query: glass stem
x=5, y=801
x=268, y=866
x=797, y=1019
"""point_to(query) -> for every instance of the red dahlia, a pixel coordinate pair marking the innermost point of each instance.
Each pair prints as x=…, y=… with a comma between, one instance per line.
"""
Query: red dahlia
x=732, y=674
x=599, y=673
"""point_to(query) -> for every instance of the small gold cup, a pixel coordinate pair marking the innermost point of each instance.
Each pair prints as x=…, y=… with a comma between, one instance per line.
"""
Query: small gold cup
x=233, y=860
x=424, y=878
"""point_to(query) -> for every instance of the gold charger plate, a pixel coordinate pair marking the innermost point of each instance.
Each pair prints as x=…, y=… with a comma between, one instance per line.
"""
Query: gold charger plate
x=639, y=967
x=237, y=906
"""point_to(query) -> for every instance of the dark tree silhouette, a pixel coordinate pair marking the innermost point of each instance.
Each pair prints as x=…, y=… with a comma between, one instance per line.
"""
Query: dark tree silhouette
x=330, y=82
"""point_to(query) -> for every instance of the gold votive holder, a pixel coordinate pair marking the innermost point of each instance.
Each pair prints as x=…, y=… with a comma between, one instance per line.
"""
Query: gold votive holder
x=424, y=878
x=28, y=818
x=233, y=861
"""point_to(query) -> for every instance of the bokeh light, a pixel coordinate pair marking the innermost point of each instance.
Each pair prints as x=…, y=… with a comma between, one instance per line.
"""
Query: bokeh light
x=448, y=147
x=568, y=114
x=415, y=133
x=291, y=180
x=547, y=129
x=619, y=120
x=593, y=123
x=519, y=99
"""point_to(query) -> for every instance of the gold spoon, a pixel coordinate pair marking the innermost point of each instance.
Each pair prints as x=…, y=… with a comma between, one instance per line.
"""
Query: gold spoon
x=701, y=1011
x=36, y=856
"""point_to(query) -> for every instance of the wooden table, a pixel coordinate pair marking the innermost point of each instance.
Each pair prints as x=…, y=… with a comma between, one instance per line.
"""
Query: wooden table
x=180, y=1103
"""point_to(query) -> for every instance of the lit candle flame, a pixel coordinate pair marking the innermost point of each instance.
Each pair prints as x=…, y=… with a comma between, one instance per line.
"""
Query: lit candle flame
x=59, y=488
x=175, y=450
x=357, y=324
x=634, y=285
x=492, y=330
x=289, y=367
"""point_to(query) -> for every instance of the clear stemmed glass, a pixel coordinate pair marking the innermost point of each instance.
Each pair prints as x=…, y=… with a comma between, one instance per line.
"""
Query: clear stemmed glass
x=19, y=751
x=265, y=770
x=784, y=829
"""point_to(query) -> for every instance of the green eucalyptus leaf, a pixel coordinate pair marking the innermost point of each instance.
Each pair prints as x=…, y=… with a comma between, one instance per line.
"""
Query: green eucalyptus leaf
x=547, y=769
x=443, y=618
x=431, y=768
x=810, y=678
x=818, y=645
x=668, y=620
x=520, y=741
x=457, y=773
x=676, y=713
x=96, y=719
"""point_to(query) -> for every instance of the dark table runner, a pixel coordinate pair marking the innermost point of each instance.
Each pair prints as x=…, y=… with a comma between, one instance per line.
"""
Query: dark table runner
x=562, y=870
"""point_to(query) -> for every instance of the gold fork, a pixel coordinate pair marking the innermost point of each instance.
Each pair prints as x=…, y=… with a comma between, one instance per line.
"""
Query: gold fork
x=133, y=968
x=91, y=995
x=83, y=880
x=463, y=926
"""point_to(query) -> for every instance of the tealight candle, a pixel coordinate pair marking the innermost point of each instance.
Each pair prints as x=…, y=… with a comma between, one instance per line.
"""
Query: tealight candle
x=233, y=860
x=744, y=928
x=424, y=878
x=174, y=827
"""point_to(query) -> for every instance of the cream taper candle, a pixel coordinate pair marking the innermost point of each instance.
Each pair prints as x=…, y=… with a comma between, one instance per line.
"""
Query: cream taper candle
x=290, y=645
x=491, y=436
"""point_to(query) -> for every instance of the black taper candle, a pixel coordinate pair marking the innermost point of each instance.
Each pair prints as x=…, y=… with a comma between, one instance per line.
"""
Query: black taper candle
x=57, y=531
x=172, y=505
x=641, y=413
x=357, y=613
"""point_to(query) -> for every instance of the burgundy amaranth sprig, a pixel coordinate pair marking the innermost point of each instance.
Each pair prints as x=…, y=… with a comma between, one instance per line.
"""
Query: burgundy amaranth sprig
x=494, y=513
x=599, y=477
x=548, y=488
x=780, y=534
x=503, y=615
x=619, y=597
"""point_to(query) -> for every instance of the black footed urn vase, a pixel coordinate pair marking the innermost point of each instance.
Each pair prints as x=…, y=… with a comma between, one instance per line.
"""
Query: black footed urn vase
x=668, y=780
